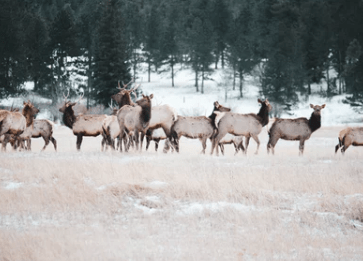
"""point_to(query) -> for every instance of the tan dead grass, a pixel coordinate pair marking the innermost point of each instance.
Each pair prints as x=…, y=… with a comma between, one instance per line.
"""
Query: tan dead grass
x=116, y=206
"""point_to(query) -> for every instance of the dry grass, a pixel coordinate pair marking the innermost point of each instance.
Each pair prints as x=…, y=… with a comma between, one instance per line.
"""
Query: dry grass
x=154, y=206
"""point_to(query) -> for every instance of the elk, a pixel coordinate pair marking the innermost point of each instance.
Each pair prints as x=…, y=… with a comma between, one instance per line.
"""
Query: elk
x=156, y=135
x=81, y=125
x=349, y=136
x=16, y=123
x=162, y=116
x=248, y=125
x=135, y=119
x=43, y=128
x=110, y=129
x=295, y=129
x=200, y=127
x=123, y=97
x=237, y=141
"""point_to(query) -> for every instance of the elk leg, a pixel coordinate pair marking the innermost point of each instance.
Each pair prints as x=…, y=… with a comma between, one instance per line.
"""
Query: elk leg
x=221, y=146
x=236, y=147
x=156, y=144
x=204, y=144
x=46, y=140
x=79, y=141
x=5, y=142
x=247, y=142
x=240, y=146
x=148, y=138
x=142, y=135
x=54, y=142
x=301, y=147
x=271, y=145
x=166, y=145
x=255, y=137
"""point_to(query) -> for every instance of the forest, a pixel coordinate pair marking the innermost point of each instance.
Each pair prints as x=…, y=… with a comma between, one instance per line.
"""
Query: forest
x=293, y=43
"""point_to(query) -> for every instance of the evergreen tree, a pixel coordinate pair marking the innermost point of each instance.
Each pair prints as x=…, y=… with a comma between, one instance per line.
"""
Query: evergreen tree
x=170, y=36
x=12, y=52
x=200, y=40
x=111, y=57
x=220, y=19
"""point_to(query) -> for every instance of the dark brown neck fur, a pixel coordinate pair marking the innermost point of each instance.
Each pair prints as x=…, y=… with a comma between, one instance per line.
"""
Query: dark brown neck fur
x=68, y=117
x=146, y=109
x=27, y=112
x=263, y=115
x=314, y=122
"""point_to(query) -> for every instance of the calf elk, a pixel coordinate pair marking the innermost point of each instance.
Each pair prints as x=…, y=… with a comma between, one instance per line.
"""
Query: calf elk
x=295, y=129
x=248, y=125
x=349, y=136
x=42, y=128
x=237, y=141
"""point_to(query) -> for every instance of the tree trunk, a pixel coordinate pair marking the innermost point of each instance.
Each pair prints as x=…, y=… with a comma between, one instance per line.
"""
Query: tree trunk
x=240, y=84
x=309, y=88
x=202, y=89
x=89, y=80
x=234, y=76
x=196, y=80
x=217, y=59
x=222, y=58
x=148, y=70
x=328, y=82
x=172, y=70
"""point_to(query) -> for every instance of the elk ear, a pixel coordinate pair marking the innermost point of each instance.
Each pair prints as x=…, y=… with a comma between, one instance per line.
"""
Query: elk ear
x=323, y=106
x=143, y=96
x=311, y=106
x=24, y=103
x=151, y=96
x=72, y=104
x=259, y=101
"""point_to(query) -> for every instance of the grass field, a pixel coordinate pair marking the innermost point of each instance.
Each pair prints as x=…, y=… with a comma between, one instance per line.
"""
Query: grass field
x=94, y=205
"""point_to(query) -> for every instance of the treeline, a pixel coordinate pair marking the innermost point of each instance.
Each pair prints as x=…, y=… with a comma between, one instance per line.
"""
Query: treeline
x=294, y=43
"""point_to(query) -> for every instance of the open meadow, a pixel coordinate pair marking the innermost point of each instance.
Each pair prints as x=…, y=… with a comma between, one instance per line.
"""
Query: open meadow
x=94, y=205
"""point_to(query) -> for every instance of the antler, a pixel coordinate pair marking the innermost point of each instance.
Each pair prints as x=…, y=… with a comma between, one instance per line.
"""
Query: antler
x=125, y=85
x=80, y=98
x=66, y=97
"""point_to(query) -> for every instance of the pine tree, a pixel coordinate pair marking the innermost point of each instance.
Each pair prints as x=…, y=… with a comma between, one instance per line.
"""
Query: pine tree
x=200, y=40
x=13, y=71
x=111, y=56
x=220, y=19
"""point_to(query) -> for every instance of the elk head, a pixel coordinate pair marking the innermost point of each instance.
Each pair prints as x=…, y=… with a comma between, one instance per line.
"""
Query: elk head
x=123, y=97
x=266, y=104
x=317, y=109
x=29, y=111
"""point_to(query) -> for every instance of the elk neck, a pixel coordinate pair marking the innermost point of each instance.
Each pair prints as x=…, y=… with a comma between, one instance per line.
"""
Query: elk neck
x=68, y=117
x=146, y=110
x=27, y=113
x=263, y=115
x=125, y=100
x=314, y=121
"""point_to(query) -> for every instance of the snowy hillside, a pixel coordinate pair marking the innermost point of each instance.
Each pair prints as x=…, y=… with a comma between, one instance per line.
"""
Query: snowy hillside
x=184, y=98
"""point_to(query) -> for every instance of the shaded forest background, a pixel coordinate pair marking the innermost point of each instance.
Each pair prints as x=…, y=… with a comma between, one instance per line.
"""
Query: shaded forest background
x=294, y=43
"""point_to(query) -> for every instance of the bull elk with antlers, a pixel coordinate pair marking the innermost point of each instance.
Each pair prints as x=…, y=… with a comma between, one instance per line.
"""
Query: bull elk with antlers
x=81, y=125
x=295, y=129
x=248, y=125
